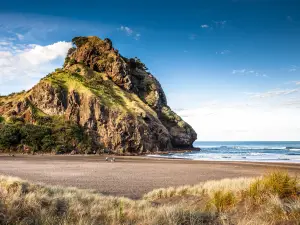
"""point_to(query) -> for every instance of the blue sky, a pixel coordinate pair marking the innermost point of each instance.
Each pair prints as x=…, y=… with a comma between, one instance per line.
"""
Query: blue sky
x=230, y=68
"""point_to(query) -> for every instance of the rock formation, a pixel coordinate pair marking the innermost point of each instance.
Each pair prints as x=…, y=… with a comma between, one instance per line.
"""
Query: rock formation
x=117, y=101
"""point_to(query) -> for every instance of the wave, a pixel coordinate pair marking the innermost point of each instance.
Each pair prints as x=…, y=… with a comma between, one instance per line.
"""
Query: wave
x=295, y=150
x=244, y=148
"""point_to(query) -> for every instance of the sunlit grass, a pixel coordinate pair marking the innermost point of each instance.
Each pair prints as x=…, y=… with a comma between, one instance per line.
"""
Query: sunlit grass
x=271, y=199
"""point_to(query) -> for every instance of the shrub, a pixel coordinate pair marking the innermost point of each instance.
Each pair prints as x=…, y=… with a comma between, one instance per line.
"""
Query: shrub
x=281, y=184
x=33, y=136
x=278, y=183
x=9, y=136
x=79, y=41
x=58, y=69
x=222, y=200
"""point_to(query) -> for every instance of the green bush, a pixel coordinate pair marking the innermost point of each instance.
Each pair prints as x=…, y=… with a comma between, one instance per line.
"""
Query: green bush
x=9, y=136
x=49, y=134
x=33, y=136
x=79, y=41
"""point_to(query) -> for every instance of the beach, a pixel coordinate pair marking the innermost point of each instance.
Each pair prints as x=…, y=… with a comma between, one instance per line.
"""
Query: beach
x=128, y=176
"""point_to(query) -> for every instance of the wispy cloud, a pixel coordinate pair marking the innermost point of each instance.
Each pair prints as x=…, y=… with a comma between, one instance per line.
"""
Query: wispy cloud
x=293, y=68
x=20, y=36
x=204, y=26
x=32, y=28
x=297, y=82
x=249, y=72
x=272, y=93
x=127, y=30
x=137, y=36
x=130, y=32
x=242, y=71
x=291, y=103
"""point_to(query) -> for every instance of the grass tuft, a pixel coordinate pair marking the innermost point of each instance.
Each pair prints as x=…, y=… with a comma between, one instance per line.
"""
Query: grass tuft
x=222, y=200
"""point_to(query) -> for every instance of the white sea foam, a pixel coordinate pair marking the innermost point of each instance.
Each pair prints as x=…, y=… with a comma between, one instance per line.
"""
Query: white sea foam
x=257, y=152
x=294, y=149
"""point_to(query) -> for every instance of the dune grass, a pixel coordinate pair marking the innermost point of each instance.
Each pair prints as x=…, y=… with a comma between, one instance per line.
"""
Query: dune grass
x=271, y=199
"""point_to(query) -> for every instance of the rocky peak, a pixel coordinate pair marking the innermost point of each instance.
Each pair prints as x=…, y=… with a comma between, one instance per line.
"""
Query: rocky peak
x=119, y=103
x=130, y=74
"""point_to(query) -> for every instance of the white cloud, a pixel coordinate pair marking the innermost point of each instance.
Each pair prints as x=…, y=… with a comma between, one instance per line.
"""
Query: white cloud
x=5, y=43
x=137, y=36
x=249, y=72
x=23, y=65
x=204, y=26
x=20, y=36
x=127, y=30
x=239, y=71
x=43, y=54
x=273, y=93
x=242, y=122
x=130, y=32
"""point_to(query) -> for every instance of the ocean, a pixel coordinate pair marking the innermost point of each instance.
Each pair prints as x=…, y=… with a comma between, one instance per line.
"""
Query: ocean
x=246, y=151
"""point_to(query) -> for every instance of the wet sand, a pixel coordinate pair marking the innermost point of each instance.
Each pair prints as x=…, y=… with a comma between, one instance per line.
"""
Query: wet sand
x=128, y=176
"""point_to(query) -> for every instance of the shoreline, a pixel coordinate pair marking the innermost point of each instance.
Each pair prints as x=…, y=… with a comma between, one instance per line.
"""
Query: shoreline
x=243, y=161
x=150, y=157
x=129, y=176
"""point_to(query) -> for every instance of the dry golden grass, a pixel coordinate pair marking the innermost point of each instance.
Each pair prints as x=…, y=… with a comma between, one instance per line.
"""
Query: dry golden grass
x=271, y=199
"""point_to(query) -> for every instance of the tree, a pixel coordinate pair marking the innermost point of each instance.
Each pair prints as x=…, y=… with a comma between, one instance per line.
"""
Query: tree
x=33, y=135
x=9, y=136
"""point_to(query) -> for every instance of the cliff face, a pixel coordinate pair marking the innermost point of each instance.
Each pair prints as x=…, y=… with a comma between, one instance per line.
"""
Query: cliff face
x=119, y=103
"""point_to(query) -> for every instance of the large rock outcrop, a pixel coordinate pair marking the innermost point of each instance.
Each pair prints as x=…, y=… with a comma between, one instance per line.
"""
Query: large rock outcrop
x=114, y=98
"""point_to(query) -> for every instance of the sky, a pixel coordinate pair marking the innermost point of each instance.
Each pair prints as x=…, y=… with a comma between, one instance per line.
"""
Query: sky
x=230, y=68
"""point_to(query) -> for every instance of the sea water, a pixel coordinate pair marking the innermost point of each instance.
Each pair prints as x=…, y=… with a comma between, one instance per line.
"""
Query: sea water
x=259, y=151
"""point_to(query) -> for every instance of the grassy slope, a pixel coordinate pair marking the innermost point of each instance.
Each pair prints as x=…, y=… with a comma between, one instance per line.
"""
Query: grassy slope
x=273, y=199
x=108, y=93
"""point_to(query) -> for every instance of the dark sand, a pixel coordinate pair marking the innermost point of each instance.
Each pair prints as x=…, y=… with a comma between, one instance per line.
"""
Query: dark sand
x=128, y=176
